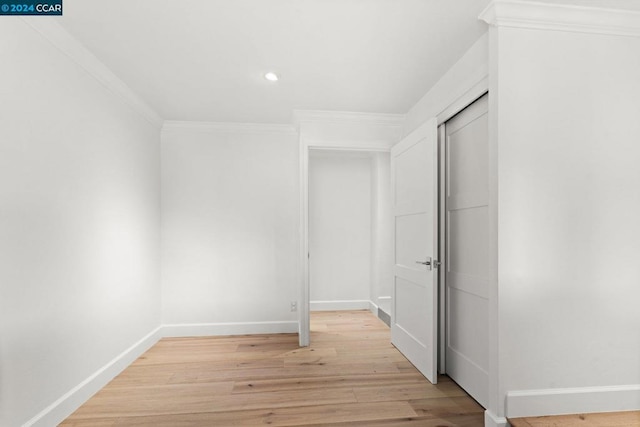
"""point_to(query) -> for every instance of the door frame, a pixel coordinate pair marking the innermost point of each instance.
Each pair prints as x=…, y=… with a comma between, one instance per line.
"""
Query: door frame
x=442, y=252
x=304, y=307
x=463, y=102
x=457, y=104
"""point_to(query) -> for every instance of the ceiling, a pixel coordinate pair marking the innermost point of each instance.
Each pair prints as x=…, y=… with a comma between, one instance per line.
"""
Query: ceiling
x=204, y=60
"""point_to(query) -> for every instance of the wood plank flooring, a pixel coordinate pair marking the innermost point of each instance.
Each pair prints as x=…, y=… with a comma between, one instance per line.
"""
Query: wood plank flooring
x=350, y=375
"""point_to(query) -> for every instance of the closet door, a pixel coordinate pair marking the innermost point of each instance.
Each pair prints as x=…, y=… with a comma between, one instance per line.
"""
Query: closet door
x=467, y=245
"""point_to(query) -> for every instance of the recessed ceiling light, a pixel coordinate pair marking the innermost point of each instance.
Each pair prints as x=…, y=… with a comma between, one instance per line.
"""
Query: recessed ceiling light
x=272, y=77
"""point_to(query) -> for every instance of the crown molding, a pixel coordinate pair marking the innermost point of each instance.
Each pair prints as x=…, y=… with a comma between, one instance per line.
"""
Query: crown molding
x=216, y=127
x=67, y=44
x=561, y=17
x=319, y=116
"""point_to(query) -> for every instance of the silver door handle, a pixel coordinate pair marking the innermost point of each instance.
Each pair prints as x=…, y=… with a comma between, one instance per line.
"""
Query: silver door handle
x=430, y=263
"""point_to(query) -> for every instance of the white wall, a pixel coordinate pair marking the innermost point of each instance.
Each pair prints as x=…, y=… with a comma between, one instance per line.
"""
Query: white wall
x=340, y=129
x=381, y=232
x=230, y=201
x=564, y=130
x=339, y=228
x=468, y=71
x=568, y=138
x=79, y=225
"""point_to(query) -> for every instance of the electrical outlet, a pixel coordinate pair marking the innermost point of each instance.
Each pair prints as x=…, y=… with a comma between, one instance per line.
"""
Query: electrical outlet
x=294, y=305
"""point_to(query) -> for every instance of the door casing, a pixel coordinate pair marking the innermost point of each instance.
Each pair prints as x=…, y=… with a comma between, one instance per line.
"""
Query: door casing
x=304, y=311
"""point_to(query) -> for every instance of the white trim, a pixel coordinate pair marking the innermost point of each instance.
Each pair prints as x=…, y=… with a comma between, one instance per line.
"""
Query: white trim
x=382, y=300
x=304, y=331
x=373, y=308
x=380, y=146
x=492, y=420
x=318, y=116
x=533, y=403
x=360, y=304
x=561, y=17
x=235, y=328
x=215, y=127
x=304, y=309
x=464, y=100
x=74, y=398
x=61, y=39
x=442, y=245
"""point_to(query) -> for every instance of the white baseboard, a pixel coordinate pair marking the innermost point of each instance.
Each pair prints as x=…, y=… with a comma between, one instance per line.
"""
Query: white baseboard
x=532, y=403
x=340, y=305
x=373, y=308
x=384, y=303
x=55, y=413
x=492, y=420
x=238, y=328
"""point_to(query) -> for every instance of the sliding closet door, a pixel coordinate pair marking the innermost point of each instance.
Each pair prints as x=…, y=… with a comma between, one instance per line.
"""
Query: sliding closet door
x=467, y=243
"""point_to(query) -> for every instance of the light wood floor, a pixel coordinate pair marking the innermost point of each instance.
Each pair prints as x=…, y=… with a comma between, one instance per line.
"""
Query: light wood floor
x=350, y=375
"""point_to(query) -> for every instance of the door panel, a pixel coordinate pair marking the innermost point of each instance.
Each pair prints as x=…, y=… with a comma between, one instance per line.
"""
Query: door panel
x=414, y=315
x=468, y=158
x=469, y=225
x=412, y=178
x=467, y=243
x=410, y=239
x=410, y=297
x=466, y=334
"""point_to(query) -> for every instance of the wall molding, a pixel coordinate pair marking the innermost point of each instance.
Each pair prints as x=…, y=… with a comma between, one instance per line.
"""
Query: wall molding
x=373, y=308
x=235, y=328
x=531, y=403
x=492, y=420
x=375, y=146
x=217, y=127
x=55, y=413
x=465, y=99
x=342, y=305
x=321, y=116
x=67, y=44
x=384, y=303
x=561, y=17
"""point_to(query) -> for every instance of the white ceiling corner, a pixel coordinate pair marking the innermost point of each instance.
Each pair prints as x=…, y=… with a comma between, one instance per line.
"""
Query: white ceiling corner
x=373, y=119
x=68, y=45
x=613, y=17
x=227, y=127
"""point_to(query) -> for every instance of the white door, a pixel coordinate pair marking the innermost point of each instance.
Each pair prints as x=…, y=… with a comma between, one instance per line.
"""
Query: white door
x=467, y=246
x=414, y=314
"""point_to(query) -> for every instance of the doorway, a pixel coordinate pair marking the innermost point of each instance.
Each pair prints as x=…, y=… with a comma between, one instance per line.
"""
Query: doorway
x=349, y=230
x=339, y=230
x=464, y=248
